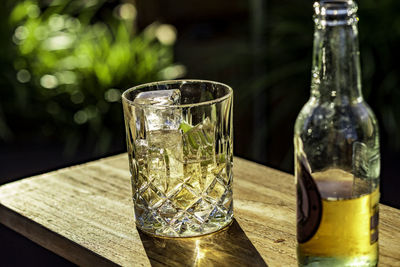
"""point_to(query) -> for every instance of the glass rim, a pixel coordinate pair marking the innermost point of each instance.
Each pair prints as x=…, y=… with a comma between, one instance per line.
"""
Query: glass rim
x=182, y=81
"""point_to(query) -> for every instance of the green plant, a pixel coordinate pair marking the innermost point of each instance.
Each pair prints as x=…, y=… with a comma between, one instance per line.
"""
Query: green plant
x=73, y=59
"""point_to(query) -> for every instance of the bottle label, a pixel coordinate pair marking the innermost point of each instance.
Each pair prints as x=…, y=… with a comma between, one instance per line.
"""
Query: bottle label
x=309, y=204
x=374, y=224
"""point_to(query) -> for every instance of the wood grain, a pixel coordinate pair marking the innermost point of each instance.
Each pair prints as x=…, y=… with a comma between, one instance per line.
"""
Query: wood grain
x=85, y=214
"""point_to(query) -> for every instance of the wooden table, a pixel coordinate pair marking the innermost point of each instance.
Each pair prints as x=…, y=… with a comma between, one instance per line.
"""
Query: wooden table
x=85, y=214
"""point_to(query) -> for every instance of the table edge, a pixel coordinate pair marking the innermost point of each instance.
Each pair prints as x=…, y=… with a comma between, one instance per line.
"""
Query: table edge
x=56, y=243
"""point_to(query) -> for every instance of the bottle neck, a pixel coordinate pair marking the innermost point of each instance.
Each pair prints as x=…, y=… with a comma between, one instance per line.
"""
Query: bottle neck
x=336, y=75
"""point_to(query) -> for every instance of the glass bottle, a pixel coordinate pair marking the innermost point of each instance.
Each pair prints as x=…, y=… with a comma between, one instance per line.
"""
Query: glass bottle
x=337, y=158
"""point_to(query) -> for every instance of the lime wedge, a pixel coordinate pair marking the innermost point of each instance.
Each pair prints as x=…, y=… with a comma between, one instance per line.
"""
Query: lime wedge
x=184, y=126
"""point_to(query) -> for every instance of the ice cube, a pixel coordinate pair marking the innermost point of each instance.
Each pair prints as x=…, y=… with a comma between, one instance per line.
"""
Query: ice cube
x=159, y=97
x=155, y=113
x=165, y=169
x=141, y=147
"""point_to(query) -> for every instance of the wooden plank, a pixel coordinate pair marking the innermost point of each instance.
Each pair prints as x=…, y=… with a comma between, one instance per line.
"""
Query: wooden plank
x=85, y=214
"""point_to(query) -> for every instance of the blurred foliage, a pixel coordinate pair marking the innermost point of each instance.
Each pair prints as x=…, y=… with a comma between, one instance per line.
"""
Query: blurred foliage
x=68, y=64
x=64, y=63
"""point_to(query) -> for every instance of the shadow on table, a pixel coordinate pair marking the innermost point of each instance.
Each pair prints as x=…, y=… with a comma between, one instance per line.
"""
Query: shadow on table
x=230, y=247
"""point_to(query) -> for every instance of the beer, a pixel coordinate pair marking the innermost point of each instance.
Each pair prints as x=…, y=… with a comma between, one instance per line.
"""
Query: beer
x=337, y=158
x=348, y=231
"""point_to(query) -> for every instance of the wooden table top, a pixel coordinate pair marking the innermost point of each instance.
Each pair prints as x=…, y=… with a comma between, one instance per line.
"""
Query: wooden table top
x=85, y=214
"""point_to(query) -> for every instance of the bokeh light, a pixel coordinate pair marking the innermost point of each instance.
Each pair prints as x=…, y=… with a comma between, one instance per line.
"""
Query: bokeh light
x=48, y=81
x=80, y=117
x=166, y=34
x=23, y=76
x=127, y=11
x=112, y=95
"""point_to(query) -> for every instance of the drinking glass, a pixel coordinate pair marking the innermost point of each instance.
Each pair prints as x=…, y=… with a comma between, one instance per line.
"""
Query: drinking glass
x=179, y=141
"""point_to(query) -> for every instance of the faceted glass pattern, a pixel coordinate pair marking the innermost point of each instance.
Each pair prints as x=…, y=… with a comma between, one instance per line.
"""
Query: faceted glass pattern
x=182, y=172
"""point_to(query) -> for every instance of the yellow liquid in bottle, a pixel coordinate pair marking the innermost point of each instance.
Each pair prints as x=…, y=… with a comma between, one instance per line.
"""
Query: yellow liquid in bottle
x=348, y=231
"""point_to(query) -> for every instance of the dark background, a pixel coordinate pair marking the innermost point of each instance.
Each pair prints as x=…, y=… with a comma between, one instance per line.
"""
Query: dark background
x=261, y=48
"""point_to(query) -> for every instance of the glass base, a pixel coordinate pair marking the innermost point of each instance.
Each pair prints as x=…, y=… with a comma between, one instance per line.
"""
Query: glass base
x=196, y=234
x=183, y=227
